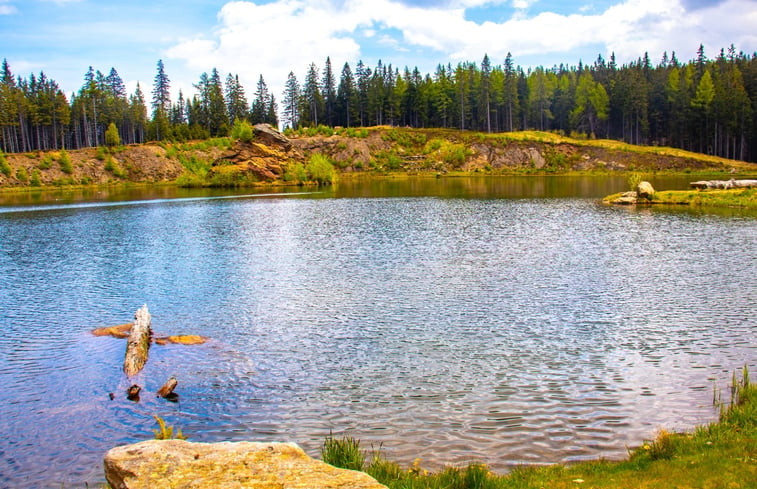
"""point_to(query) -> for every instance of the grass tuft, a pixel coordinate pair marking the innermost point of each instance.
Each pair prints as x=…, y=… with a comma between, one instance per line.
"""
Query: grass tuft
x=343, y=452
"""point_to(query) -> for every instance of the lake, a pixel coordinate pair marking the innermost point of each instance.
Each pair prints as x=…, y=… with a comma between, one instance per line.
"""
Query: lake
x=506, y=320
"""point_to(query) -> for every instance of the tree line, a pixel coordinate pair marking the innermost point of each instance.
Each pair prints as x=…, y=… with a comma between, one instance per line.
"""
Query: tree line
x=704, y=105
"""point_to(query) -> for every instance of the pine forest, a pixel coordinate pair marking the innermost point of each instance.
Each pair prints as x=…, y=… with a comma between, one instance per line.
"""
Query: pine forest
x=704, y=105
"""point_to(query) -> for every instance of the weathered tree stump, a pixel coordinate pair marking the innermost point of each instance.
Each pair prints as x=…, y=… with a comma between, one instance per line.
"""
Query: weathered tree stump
x=132, y=393
x=166, y=391
x=138, y=343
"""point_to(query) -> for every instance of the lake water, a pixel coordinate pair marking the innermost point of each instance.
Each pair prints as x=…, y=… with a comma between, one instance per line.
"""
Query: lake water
x=501, y=320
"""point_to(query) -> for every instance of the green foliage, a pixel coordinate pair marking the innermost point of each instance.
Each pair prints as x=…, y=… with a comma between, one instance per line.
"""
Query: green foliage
x=172, y=152
x=344, y=453
x=242, y=131
x=5, y=168
x=352, y=132
x=634, y=179
x=111, y=136
x=387, y=160
x=319, y=130
x=320, y=170
x=100, y=153
x=65, y=163
x=112, y=166
x=85, y=180
x=22, y=175
x=404, y=138
x=35, y=180
x=46, y=162
x=295, y=172
x=194, y=164
x=166, y=432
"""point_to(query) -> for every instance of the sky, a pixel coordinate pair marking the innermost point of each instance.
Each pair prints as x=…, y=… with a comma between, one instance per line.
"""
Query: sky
x=273, y=37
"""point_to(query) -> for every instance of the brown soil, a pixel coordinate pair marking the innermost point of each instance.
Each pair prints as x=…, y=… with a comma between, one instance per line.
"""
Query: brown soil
x=383, y=149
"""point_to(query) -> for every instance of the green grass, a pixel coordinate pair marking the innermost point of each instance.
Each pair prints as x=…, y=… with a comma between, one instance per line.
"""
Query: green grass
x=743, y=198
x=165, y=432
x=722, y=454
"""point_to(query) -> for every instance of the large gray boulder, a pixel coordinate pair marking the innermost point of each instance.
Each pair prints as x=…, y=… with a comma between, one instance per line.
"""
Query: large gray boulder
x=175, y=464
x=266, y=134
x=644, y=190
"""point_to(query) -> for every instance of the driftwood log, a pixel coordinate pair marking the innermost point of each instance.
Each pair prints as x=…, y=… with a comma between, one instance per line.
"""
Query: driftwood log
x=167, y=390
x=724, y=184
x=138, y=343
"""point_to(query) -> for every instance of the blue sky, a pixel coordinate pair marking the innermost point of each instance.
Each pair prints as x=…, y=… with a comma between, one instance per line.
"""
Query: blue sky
x=272, y=37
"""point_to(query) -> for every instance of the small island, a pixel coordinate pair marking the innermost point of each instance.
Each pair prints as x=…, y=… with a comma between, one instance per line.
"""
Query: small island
x=713, y=193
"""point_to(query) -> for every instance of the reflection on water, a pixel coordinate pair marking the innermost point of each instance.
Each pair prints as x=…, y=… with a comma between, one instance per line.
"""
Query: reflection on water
x=507, y=331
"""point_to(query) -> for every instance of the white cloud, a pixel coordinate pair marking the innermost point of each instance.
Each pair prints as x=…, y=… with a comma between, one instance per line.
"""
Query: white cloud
x=285, y=35
x=6, y=9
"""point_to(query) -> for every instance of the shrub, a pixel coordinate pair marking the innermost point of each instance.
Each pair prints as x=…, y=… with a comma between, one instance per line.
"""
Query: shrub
x=65, y=163
x=344, y=453
x=112, y=166
x=634, y=179
x=295, y=172
x=100, y=154
x=5, y=168
x=22, y=175
x=46, y=162
x=111, y=136
x=320, y=169
x=242, y=131
x=35, y=181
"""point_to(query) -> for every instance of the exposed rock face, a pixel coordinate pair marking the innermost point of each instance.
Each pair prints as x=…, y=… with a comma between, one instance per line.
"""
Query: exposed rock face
x=644, y=190
x=159, y=464
x=261, y=160
x=267, y=135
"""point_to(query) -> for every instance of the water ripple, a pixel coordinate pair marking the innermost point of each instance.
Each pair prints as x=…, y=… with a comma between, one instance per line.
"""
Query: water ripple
x=504, y=331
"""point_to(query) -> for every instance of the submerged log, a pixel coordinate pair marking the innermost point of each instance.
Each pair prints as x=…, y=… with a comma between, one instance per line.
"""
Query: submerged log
x=120, y=331
x=166, y=391
x=183, y=339
x=139, y=342
x=724, y=184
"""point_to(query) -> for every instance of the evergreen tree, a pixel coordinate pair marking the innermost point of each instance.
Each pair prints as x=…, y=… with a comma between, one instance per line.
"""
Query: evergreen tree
x=328, y=89
x=161, y=97
x=292, y=102
x=236, y=101
x=346, y=98
x=261, y=103
x=312, y=96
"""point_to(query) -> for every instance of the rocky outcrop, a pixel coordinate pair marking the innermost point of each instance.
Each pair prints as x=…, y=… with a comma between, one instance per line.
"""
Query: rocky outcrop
x=266, y=134
x=159, y=464
x=263, y=161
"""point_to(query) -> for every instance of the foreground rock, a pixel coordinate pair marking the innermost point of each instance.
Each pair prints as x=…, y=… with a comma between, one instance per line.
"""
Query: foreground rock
x=158, y=464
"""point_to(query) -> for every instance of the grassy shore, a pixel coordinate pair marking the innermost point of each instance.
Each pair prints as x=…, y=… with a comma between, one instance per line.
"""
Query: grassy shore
x=722, y=454
x=734, y=198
